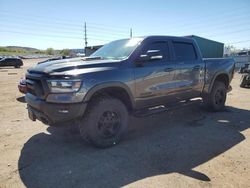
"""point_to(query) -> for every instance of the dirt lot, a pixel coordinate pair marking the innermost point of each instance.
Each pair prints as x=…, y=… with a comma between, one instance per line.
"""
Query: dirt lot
x=188, y=147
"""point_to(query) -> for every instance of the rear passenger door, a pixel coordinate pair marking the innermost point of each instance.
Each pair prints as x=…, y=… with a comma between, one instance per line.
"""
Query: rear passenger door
x=189, y=74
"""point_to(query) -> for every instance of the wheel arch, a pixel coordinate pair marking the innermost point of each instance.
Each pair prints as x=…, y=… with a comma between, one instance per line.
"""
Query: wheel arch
x=113, y=89
x=220, y=76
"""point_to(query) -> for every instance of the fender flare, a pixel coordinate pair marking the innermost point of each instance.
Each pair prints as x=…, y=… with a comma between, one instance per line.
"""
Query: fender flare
x=214, y=78
x=105, y=85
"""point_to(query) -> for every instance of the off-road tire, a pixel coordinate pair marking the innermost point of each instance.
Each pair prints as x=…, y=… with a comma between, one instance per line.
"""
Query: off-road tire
x=215, y=101
x=103, y=112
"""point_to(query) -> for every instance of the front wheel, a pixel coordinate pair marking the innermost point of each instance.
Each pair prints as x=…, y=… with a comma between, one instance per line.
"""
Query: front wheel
x=215, y=101
x=104, y=122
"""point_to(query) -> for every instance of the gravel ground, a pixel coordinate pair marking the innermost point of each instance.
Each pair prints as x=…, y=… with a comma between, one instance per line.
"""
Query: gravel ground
x=188, y=147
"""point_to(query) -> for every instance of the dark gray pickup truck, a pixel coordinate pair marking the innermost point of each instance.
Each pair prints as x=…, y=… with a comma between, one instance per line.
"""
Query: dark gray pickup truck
x=101, y=91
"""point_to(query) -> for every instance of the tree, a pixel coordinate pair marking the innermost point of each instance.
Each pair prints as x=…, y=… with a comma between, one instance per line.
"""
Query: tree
x=229, y=49
x=50, y=51
x=65, y=52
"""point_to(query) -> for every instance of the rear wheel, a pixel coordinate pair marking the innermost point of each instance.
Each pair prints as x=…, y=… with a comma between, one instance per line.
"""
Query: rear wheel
x=215, y=101
x=104, y=122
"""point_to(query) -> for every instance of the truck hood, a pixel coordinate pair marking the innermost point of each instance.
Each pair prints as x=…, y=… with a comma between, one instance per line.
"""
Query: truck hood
x=74, y=66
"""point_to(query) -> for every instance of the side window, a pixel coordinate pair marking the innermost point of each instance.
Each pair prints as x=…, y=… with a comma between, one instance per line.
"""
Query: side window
x=184, y=51
x=157, y=50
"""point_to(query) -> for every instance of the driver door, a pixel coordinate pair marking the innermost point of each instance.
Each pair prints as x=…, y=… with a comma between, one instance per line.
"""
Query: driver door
x=154, y=75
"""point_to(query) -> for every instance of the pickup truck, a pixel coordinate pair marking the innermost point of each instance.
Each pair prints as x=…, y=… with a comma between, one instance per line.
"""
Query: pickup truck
x=99, y=92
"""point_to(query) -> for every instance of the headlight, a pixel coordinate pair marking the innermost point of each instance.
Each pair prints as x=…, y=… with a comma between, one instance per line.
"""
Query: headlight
x=64, y=86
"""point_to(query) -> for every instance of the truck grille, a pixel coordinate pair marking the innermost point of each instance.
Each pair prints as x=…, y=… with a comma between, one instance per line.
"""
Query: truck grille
x=35, y=87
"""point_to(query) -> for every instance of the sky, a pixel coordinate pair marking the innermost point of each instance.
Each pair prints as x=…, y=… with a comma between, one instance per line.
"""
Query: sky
x=60, y=24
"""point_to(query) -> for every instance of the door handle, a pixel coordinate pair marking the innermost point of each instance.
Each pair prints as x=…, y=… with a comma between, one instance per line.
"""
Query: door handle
x=168, y=69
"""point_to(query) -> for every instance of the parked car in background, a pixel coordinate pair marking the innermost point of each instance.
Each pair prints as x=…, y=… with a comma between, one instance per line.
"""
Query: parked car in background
x=11, y=61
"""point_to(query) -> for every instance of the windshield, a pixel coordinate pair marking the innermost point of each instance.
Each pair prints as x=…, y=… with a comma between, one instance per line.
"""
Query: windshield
x=118, y=50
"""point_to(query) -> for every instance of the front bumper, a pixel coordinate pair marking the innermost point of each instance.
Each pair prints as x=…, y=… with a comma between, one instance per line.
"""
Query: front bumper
x=53, y=114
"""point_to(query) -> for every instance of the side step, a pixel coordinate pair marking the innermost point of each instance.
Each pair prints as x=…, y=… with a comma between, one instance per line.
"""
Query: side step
x=163, y=108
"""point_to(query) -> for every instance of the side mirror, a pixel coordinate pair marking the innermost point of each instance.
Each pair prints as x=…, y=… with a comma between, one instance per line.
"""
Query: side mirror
x=143, y=58
x=151, y=55
x=154, y=55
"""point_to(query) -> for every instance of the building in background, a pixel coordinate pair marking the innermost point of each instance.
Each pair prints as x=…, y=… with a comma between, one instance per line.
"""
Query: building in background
x=241, y=58
x=209, y=48
x=77, y=52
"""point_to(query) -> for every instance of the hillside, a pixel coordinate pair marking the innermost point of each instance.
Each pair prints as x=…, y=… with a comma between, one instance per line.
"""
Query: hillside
x=22, y=48
x=19, y=50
